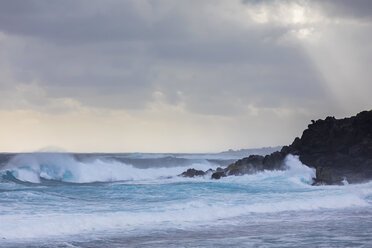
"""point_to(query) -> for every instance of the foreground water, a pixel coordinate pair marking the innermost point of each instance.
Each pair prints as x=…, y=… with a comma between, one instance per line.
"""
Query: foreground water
x=137, y=200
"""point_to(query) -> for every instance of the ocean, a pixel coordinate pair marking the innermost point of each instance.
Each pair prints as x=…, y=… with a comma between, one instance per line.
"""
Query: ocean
x=138, y=200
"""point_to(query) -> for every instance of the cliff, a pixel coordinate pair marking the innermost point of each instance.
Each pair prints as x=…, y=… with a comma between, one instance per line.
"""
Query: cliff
x=339, y=149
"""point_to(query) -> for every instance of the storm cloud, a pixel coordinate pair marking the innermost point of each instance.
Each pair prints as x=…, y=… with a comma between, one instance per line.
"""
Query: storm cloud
x=240, y=65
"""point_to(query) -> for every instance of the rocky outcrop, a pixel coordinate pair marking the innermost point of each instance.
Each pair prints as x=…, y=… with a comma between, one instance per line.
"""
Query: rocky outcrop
x=217, y=174
x=339, y=149
x=249, y=165
x=193, y=173
x=252, y=164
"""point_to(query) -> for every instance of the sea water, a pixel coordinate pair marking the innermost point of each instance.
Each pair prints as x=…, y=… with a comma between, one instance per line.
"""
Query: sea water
x=138, y=200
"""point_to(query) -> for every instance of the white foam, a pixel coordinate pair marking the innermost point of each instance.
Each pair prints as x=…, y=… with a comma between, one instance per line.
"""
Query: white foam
x=201, y=209
x=178, y=215
x=26, y=175
x=295, y=172
x=64, y=167
x=345, y=182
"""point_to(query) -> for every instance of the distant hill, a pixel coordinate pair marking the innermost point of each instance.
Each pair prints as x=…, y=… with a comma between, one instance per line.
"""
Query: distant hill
x=247, y=152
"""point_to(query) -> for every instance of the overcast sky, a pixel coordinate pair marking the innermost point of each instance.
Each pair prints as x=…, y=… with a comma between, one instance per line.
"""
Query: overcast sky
x=178, y=76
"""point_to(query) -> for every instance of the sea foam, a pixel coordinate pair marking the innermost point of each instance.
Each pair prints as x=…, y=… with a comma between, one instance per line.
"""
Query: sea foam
x=45, y=211
x=64, y=167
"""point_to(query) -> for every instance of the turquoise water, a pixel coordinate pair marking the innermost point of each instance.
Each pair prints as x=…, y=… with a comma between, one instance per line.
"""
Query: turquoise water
x=58, y=200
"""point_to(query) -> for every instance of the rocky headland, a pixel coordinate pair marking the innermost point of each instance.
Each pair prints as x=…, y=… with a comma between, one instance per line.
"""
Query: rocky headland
x=339, y=149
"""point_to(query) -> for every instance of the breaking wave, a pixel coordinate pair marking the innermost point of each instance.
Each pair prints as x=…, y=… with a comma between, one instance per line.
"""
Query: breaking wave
x=181, y=203
x=36, y=167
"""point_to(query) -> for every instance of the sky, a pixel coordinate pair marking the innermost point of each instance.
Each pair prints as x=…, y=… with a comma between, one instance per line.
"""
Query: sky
x=178, y=76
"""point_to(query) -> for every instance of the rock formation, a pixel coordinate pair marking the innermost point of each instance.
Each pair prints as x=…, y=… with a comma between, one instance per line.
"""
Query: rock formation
x=339, y=149
x=193, y=173
x=252, y=164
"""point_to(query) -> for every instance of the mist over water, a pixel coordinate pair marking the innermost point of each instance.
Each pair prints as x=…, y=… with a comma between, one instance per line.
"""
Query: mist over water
x=102, y=200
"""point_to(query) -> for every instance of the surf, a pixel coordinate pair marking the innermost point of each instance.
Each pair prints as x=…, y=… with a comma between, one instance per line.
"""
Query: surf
x=99, y=195
x=39, y=167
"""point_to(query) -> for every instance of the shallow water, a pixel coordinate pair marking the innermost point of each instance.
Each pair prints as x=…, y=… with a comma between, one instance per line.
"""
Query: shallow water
x=57, y=200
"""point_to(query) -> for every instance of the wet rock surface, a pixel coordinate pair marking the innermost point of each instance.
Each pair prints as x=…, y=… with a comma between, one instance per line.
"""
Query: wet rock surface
x=193, y=173
x=339, y=150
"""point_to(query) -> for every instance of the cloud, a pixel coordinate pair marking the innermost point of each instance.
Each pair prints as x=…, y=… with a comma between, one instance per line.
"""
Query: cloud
x=358, y=9
x=217, y=59
x=116, y=55
x=84, y=22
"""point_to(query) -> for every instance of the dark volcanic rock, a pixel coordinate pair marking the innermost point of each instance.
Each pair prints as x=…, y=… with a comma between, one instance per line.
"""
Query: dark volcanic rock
x=274, y=161
x=326, y=175
x=245, y=166
x=193, y=173
x=256, y=163
x=338, y=148
x=251, y=165
x=218, y=174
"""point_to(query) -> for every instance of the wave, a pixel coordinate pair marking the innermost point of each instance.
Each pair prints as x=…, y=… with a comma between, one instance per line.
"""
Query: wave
x=230, y=200
x=63, y=167
x=36, y=167
x=178, y=215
